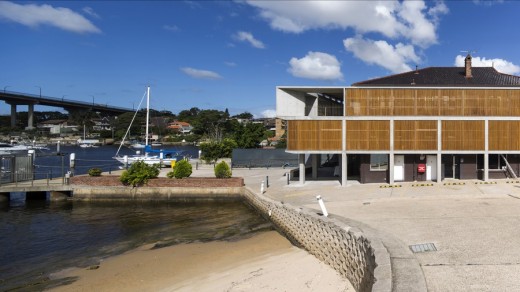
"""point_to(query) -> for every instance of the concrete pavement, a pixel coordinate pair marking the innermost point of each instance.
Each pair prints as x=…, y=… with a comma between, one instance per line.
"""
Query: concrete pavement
x=474, y=226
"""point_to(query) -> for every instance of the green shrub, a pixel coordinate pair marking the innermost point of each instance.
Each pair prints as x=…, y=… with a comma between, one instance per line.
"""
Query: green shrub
x=181, y=169
x=94, y=172
x=222, y=170
x=139, y=173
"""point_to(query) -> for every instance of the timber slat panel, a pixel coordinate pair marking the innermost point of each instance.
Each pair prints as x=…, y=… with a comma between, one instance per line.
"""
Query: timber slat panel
x=432, y=102
x=463, y=135
x=415, y=135
x=368, y=135
x=504, y=135
x=314, y=135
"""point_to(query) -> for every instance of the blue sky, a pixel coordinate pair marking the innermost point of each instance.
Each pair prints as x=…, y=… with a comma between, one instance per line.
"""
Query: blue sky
x=232, y=54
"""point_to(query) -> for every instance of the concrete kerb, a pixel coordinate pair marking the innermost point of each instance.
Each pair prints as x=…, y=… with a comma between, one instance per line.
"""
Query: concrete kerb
x=405, y=271
x=381, y=273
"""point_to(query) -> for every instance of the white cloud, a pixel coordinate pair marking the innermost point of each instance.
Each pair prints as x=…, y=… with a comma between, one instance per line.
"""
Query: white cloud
x=200, y=74
x=393, y=58
x=412, y=20
x=171, y=27
x=230, y=64
x=91, y=12
x=33, y=15
x=500, y=65
x=269, y=113
x=248, y=37
x=316, y=65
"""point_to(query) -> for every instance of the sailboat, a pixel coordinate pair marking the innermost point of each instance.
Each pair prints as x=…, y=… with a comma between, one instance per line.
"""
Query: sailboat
x=150, y=156
x=87, y=143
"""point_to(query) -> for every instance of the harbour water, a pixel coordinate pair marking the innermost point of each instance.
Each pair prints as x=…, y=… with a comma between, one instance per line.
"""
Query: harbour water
x=39, y=238
x=49, y=164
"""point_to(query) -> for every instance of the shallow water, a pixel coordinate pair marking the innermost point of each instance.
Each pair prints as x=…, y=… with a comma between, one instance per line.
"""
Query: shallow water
x=39, y=238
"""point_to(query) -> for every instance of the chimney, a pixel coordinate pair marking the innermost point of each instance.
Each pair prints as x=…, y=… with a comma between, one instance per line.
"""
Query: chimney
x=467, y=65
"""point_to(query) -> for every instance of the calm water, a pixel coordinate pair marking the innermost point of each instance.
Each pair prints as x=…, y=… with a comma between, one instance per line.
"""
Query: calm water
x=39, y=238
x=87, y=158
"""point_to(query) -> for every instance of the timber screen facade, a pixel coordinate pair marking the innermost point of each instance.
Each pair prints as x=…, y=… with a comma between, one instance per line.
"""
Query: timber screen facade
x=458, y=129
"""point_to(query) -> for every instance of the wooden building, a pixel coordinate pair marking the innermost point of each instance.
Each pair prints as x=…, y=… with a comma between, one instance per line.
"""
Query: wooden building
x=430, y=124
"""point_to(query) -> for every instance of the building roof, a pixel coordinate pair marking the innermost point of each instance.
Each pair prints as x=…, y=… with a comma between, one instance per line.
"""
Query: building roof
x=446, y=76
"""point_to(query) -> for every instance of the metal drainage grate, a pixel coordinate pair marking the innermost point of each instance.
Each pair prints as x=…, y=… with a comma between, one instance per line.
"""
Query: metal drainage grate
x=423, y=247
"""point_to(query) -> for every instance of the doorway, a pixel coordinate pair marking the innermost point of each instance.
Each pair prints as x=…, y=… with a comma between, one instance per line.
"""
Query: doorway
x=431, y=167
x=451, y=166
x=398, y=167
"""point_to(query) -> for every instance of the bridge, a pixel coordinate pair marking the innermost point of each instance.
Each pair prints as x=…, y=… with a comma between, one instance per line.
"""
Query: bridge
x=17, y=98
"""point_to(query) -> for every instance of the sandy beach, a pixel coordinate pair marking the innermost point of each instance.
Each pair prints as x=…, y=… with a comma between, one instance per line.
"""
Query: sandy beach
x=264, y=262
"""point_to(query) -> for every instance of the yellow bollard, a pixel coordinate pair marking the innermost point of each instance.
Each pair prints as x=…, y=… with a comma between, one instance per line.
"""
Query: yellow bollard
x=173, y=163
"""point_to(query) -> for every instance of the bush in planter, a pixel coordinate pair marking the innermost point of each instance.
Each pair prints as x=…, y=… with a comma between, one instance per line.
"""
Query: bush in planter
x=139, y=173
x=94, y=172
x=222, y=170
x=181, y=169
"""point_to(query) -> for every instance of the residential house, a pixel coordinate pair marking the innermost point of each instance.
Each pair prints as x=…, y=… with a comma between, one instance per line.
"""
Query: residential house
x=180, y=127
x=56, y=127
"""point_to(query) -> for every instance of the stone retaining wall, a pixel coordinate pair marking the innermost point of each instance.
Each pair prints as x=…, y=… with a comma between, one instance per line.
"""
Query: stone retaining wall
x=156, y=193
x=347, y=250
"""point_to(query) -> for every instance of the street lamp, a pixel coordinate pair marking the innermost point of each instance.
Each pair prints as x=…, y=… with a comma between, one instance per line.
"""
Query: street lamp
x=5, y=87
x=40, y=90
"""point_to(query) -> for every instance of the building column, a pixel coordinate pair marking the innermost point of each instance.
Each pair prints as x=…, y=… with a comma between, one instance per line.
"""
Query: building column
x=315, y=165
x=391, y=156
x=301, y=158
x=344, y=170
x=13, y=115
x=30, y=114
x=486, y=150
x=439, y=151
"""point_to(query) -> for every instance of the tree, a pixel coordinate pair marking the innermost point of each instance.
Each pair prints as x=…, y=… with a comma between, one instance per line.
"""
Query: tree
x=212, y=151
x=188, y=115
x=282, y=143
x=244, y=115
x=249, y=135
x=209, y=122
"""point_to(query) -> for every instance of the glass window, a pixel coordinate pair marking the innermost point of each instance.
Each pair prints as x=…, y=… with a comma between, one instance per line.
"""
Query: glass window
x=378, y=162
x=497, y=162
x=494, y=161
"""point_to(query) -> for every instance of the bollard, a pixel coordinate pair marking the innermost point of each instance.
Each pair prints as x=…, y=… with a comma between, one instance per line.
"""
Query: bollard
x=288, y=175
x=267, y=181
x=58, y=147
x=196, y=166
x=125, y=161
x=262, y=187
x=322, y=206
x=72, y=162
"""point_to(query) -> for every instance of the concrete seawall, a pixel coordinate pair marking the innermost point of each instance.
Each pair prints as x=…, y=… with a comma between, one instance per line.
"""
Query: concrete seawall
x=364, y=262
x=156, y=193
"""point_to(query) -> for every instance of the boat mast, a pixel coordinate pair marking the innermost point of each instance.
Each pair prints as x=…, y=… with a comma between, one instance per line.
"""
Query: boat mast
x=147, y=113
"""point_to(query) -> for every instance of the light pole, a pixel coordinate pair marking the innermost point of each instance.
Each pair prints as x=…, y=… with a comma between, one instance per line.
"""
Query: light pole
x=5, y=87
x=40, y=90
x=63, y=97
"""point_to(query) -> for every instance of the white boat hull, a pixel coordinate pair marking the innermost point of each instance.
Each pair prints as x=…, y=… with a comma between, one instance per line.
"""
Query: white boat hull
x=150, y=160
